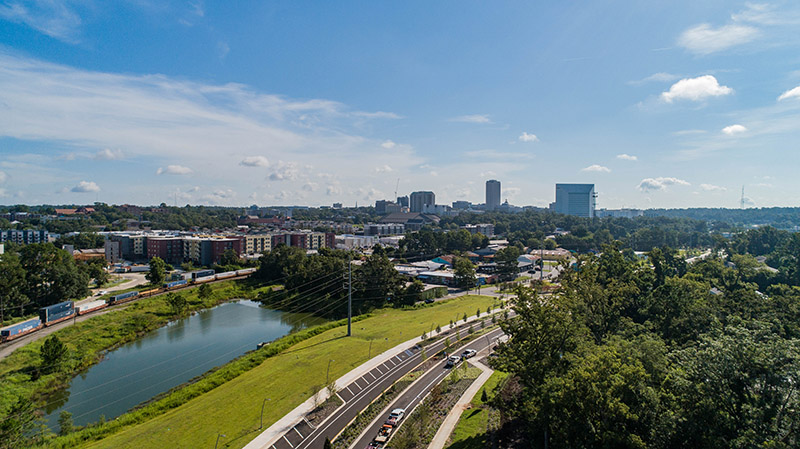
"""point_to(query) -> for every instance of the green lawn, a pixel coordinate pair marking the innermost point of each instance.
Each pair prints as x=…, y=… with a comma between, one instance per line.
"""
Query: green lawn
x=286, y=379
x=470, y=432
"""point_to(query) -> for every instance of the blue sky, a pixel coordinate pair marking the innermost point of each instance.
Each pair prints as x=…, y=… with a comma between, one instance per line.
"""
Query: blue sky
x=659, y=103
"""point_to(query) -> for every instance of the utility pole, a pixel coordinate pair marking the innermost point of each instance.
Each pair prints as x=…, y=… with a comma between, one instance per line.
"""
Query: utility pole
x=349, y=296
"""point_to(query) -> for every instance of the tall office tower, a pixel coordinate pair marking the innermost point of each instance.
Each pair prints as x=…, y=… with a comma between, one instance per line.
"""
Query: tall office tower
x=575, y=199
x=418, y=200
x=402, y=201
x=492, y=194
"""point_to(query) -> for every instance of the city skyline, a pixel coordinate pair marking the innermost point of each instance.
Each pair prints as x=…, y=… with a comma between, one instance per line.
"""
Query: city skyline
x=677, y=105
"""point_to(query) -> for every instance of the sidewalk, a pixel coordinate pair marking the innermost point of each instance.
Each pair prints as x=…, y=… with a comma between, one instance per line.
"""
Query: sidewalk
x=274, y=432
x=443, y=434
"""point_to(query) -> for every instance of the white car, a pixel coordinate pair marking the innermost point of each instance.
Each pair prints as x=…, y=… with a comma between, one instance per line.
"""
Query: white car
x=452, y=361
x=468, y=353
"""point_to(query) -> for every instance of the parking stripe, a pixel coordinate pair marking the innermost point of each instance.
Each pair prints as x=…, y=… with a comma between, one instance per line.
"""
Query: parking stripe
x=298, y=432
x=287, y=440
x=373, y=376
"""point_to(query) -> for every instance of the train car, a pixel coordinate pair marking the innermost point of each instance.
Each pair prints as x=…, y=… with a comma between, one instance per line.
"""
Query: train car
x=83, y=309
x=57, y=313
x=203, y=279
x=150, y=292
x=122, y=297
x=202, y=274
x=226, y=275
x=20, y=329
x=246, y=271
x=175, y=284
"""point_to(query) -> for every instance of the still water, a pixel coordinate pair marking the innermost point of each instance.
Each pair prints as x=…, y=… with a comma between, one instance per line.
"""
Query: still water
x=171, y=356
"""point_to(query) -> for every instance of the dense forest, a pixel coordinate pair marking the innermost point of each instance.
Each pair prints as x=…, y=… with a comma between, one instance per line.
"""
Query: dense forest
x=728, y=219
x=658, y=353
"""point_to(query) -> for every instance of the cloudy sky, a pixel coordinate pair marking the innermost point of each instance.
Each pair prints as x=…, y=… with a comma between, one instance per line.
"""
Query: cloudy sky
x=664, y=103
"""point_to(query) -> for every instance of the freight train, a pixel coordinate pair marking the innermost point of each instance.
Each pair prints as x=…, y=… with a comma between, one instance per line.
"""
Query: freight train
x=65, y=310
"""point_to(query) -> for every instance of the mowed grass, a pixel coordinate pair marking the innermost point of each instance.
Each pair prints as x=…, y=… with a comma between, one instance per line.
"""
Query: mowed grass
x=470, y=432
x=286, y=380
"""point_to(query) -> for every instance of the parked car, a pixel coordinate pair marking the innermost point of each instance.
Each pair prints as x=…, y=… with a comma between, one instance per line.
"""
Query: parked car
x=452, y=361
x=468, y=353
x=429, y=301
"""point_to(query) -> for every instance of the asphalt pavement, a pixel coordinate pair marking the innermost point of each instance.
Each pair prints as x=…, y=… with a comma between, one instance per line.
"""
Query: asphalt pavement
x=417, y=391
x=360, y=393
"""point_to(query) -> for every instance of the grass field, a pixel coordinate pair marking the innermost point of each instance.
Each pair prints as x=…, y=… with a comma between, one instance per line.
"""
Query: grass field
x=470, y=432
x=286, y=380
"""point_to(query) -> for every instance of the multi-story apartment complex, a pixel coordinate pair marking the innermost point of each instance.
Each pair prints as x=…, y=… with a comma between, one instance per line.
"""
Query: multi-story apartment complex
x=384, y=229
x=24, y=236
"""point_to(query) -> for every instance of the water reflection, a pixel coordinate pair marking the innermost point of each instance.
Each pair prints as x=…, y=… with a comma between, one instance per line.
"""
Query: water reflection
x=170, y=356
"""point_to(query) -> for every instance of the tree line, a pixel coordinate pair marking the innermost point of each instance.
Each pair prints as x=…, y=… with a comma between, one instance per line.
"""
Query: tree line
x=653, y=354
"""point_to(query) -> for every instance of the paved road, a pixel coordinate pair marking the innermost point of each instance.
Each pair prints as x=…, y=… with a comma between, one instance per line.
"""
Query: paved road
x=357, y=396
x=417, y=392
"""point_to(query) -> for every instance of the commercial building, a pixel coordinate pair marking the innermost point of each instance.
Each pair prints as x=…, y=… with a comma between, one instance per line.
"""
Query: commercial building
x=402, y=201
x=349, y=242
x=492, y=194
x=112, y=251
x=418, y=200
x=411, y=221
x=384, y=229
x=169, y=249
x=462, y=205
x=486, y=229
x=24, y=236
x=258, y=243
x=575, y=199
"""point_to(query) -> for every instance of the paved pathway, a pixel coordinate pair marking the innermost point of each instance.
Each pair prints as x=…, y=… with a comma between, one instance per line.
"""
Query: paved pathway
x=443, y=434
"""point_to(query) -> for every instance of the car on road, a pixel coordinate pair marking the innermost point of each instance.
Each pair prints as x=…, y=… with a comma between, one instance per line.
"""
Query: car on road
x=452, y=361
x=383, y=434
x=395, y=417
x=429, y=301
x=374, y=445
x=468, y=353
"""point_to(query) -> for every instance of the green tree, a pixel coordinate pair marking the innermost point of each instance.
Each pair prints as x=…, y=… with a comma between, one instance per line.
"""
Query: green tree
x=51, y=275
x=464, y=273
x=53, y=353
x=327, y=444
x=230, y=257
x=65, y=424
x=204, y=291
x=507, y=262
x=12, y=284
x=18, y=424
x=156, y=275
x=176, y=302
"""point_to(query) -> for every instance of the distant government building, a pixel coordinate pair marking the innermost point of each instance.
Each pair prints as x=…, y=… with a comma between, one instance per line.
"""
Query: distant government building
x=575, y=199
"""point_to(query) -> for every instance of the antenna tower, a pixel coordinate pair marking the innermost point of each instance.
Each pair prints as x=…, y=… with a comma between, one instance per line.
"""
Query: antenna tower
x=741, y=202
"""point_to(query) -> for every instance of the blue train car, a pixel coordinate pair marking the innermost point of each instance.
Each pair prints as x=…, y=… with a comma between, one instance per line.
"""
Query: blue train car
x=20, y=329
x=57, y=312
x=122, y=297
x=174, y=284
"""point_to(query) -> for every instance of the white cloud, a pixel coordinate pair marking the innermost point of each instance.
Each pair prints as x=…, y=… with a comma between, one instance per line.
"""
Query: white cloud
x=712, y=188
x=285, y=171
x=383, y=169
x=310, y=186
x=660, y=77
x=3, y=177
x=695, y=89
x=475, y=118
x=108, y=155
x=86, y=186
x=255, y=161
x=388, y=144
x=194, y=189
x=704, y=39
x=434, y=173
x=378, y=115
x=791, y=93
x=332, y=190
x=525, y=137
x=659, y=183
x=174, y=170
x=733, y=129
x=627, y=157
x=597, y=168
x=53, y=18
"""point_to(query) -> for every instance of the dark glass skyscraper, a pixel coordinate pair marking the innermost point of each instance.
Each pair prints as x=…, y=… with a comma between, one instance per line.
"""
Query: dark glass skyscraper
x=492, y=194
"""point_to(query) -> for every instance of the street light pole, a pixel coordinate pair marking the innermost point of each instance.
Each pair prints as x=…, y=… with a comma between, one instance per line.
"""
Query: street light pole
x=218, y=436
